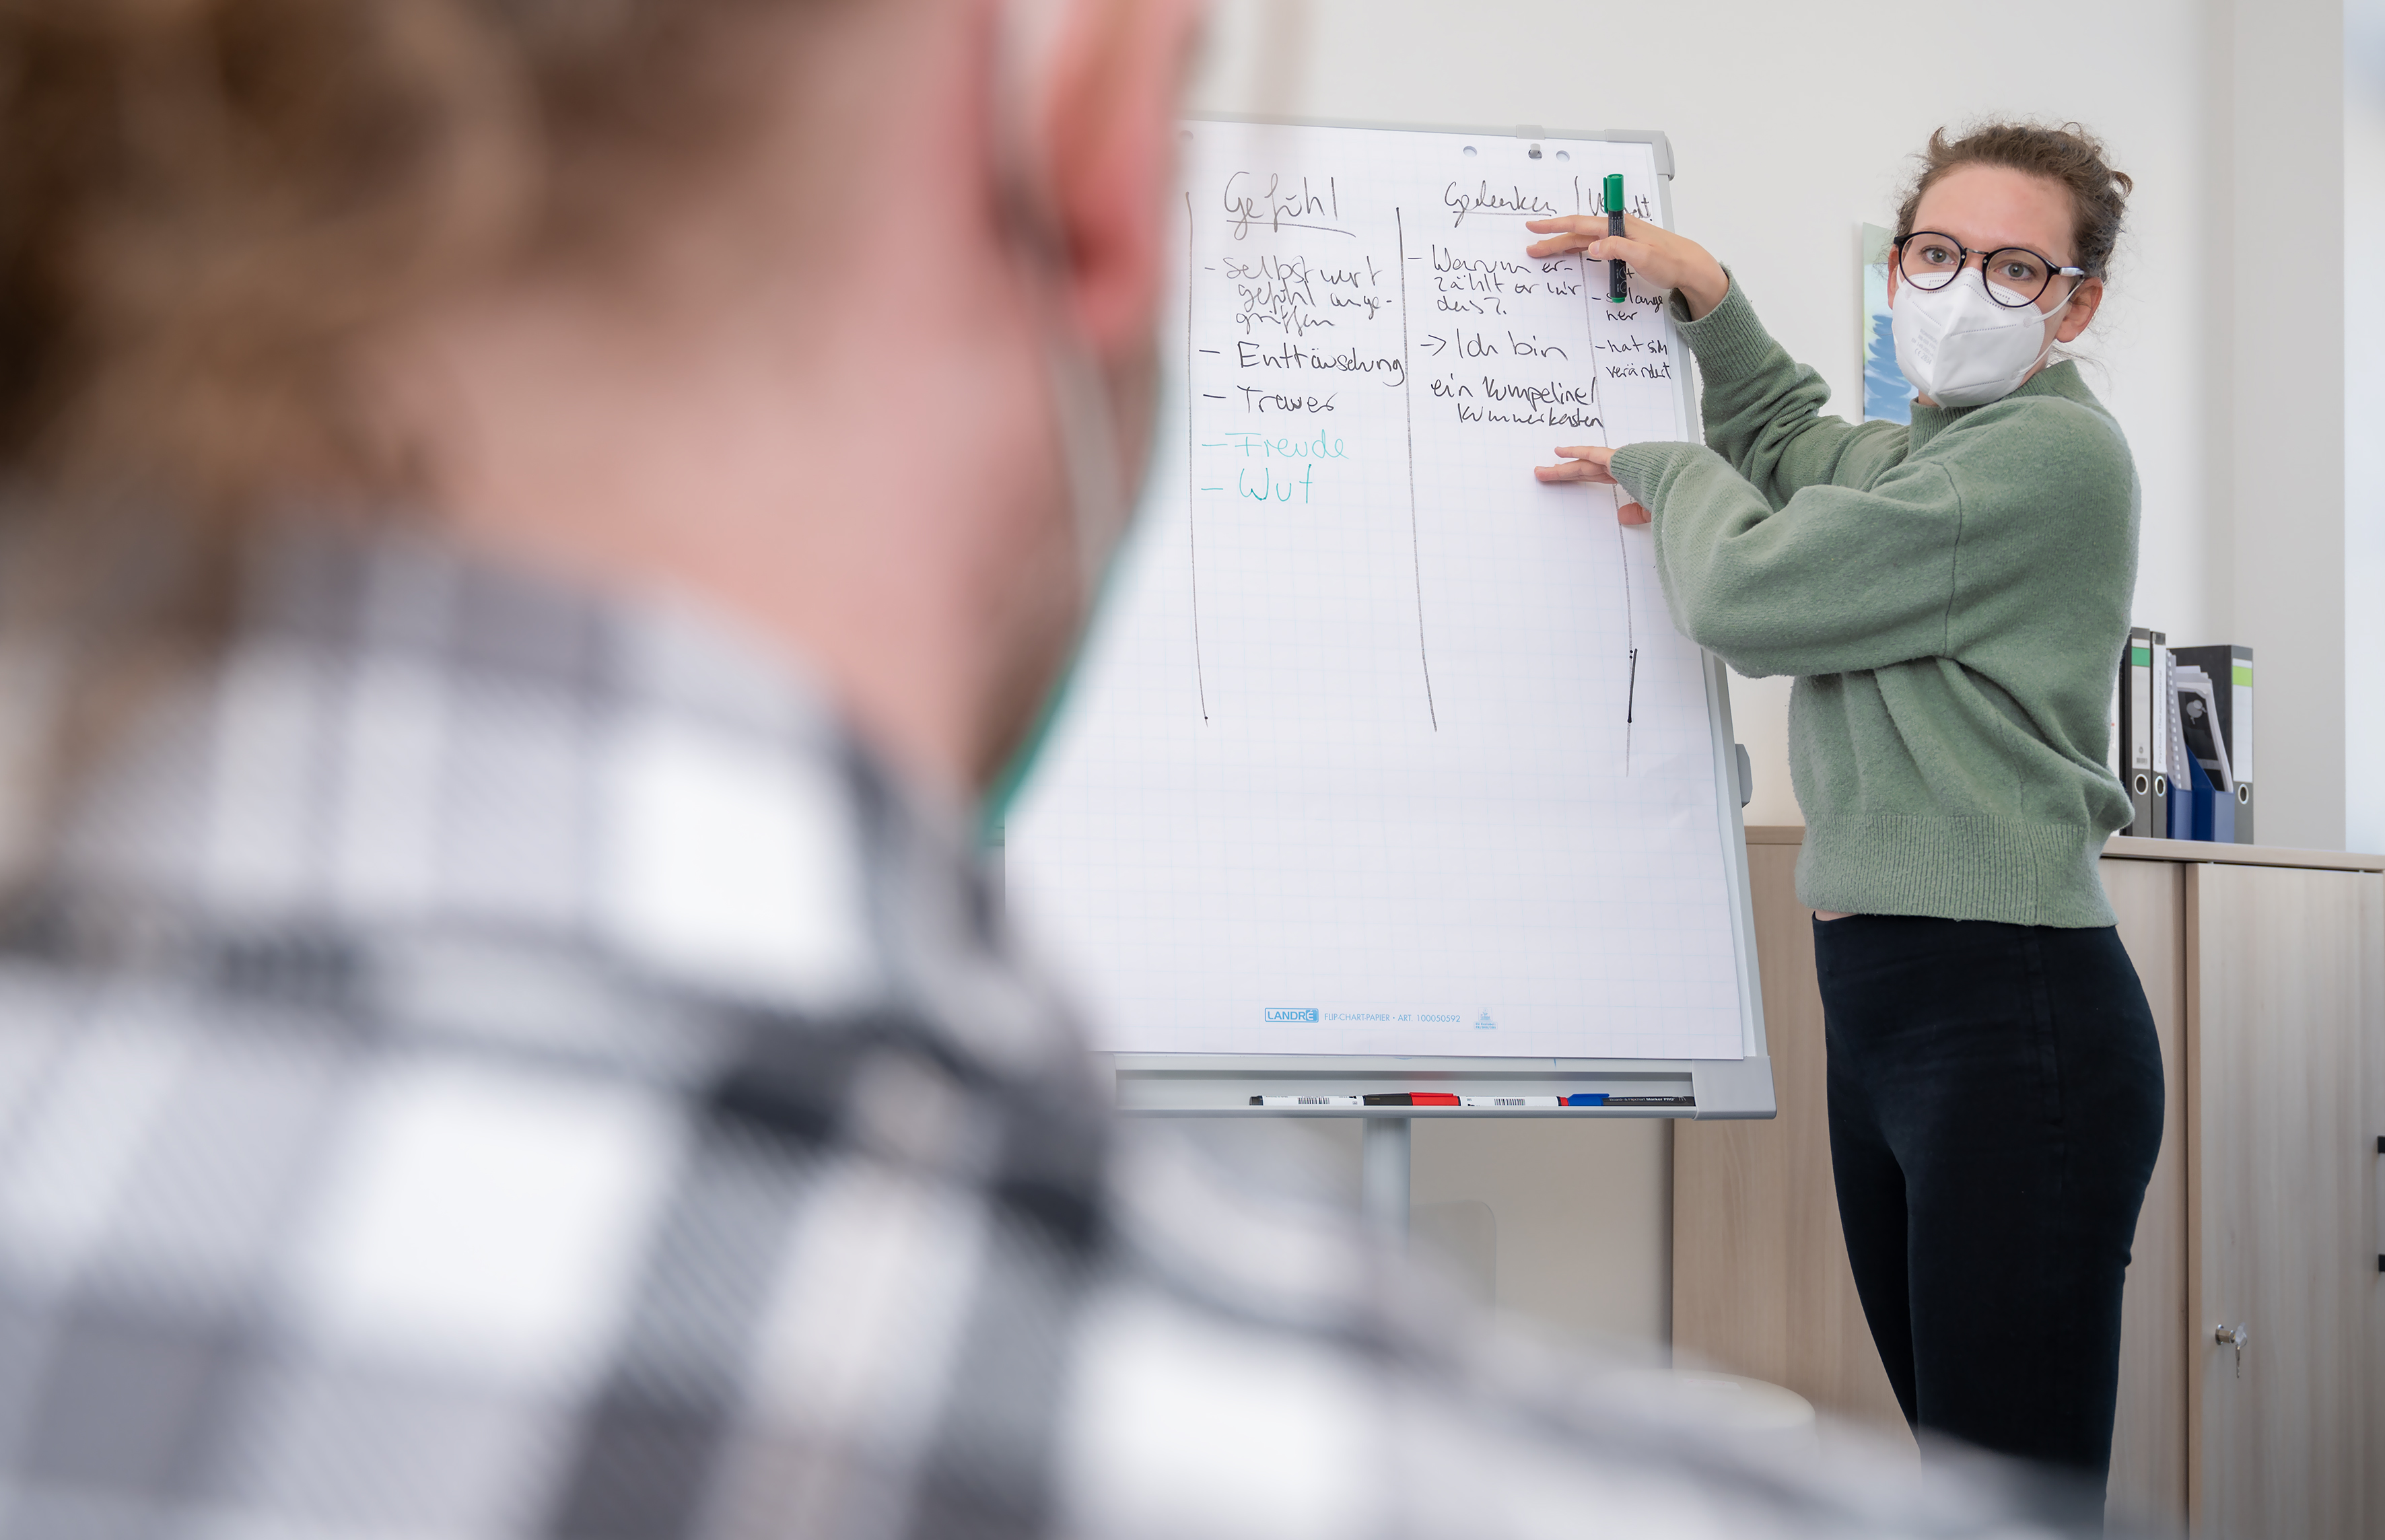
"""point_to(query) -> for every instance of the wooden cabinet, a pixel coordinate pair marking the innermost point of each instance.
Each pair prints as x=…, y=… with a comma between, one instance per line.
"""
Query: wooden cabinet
x=2266, y=977
x=2282, y=1199
x=2149, y=1432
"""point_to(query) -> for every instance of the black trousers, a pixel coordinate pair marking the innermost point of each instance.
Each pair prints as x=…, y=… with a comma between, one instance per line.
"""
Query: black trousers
x=1995, y=1108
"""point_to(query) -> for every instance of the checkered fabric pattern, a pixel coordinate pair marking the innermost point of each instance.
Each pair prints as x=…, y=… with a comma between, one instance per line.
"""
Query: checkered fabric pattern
x=490, y=1060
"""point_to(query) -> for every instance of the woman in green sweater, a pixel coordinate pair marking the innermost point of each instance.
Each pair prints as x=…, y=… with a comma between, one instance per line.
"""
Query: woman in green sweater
x=1951, y=598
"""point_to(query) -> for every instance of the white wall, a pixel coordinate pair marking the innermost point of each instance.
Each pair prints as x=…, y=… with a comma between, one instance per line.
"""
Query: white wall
x=2219, y=348
x=2276, y=408
x=2364, y=411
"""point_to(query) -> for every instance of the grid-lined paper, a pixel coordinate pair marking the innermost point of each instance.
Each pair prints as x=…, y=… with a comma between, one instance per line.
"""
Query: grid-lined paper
x=1381, y=747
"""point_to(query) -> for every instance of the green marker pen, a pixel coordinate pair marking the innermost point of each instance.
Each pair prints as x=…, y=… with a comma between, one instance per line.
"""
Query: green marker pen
x=1617, y=284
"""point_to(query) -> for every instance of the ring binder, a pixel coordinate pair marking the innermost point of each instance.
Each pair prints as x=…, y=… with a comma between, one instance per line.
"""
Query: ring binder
x=2231, y=668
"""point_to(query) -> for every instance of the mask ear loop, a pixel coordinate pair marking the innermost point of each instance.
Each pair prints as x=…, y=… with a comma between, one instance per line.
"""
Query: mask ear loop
x=1084, y=428
x=1084, y=424
x=2051, y=343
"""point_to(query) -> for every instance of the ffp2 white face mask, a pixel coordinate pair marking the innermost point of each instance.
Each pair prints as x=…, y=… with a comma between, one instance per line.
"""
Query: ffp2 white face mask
x=1960, y=348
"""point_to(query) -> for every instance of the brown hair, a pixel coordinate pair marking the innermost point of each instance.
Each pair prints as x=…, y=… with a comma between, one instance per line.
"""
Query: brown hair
x=2068, y=156
x=203, y=201
x=205, y=204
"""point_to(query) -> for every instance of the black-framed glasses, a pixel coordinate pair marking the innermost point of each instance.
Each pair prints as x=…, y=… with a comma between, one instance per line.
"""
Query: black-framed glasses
x=2014, y=275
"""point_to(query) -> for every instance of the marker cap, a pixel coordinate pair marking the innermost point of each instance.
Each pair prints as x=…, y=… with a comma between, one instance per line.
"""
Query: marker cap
x=1614, y=199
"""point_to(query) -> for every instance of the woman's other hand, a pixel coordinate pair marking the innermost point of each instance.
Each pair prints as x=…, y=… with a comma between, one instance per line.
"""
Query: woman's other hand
x=1665, y=259
x=1588, y=463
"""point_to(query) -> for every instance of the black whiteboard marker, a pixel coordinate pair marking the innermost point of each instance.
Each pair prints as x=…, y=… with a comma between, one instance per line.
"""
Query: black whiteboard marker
x=1618, y=285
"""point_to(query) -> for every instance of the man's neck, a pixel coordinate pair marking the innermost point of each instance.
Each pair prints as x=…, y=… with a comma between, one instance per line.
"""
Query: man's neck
x=859, y=534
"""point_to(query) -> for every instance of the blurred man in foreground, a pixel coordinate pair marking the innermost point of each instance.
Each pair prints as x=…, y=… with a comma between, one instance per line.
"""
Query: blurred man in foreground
x=530, y=524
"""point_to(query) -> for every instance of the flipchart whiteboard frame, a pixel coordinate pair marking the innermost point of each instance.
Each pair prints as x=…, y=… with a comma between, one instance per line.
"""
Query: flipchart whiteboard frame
x=1212, y=1084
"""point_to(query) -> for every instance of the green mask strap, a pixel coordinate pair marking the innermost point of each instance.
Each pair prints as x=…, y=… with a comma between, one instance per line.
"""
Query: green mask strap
x=1101, y=508
x=995, y=811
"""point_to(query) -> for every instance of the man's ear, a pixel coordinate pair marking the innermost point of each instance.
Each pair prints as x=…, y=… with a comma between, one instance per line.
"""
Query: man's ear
x=1109, y=126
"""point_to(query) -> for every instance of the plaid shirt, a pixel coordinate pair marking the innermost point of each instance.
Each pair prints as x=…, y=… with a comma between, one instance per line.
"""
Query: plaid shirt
x=485, y=1059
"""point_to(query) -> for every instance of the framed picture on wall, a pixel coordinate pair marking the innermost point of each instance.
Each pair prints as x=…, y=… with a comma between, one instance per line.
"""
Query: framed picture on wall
x=1887, y=396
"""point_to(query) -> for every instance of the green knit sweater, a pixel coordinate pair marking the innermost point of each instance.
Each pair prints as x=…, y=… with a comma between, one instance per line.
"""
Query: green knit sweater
x=1951, y=598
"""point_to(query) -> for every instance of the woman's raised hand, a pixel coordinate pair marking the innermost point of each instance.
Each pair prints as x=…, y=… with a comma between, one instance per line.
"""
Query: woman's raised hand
x=1588, y=463
x=1665, y=259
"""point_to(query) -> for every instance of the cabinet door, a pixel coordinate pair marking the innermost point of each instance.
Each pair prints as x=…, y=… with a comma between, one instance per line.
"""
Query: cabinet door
x=2148, y=1484
x=2371, y=1365
x=2285, y=1002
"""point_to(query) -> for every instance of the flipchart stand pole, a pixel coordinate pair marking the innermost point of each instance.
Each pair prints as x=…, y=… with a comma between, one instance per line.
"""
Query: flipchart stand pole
x=1383, y=1175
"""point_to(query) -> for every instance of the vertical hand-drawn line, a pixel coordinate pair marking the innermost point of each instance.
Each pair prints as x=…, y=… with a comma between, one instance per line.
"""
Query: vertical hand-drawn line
x=1630, y=637
x=1407, y=405
x=1622, y=548
x=1191, y=496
